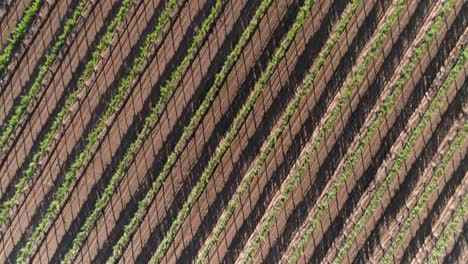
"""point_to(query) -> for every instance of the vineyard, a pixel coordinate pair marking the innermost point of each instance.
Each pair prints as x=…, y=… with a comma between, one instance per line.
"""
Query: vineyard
x=233, y=131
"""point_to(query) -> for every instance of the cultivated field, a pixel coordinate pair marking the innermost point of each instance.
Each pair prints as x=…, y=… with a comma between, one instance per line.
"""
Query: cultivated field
x=233, y=131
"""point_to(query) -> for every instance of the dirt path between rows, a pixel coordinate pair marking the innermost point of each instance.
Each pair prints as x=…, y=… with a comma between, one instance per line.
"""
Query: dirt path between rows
x=22, y=76
x=12, y=16
x=366, y=159
x=74, y=129
x=322, y=151
x=393, y=187
x=445, y=217
x=34, y=120
x=386, y=232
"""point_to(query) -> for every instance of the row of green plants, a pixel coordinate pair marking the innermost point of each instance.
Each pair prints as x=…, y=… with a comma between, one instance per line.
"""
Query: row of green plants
x=329, y=124
x=292, y=108
x=188, y=131
x=386, y=108
x=43, y=70
x=304, y=13
x=424, y=198
x=58, y=120
x=433, y=109
x=150, y=121
x=94, y=136
x=18, y=33
x=450, y=231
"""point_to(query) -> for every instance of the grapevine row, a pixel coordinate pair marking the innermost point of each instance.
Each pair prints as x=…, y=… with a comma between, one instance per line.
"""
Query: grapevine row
x=434, y=106
x=387, y=108
x=239, y=120
x=93, y=137
x=294, y=105
x=427, y=193
x=18, y=34
x=58, y=120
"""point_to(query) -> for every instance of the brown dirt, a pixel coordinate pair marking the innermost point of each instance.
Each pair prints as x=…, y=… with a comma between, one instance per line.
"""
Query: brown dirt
x=242, y=154
x=438, y=228
x=387, y=231
x=307, y=181
x=9, y=16
x=358, y=171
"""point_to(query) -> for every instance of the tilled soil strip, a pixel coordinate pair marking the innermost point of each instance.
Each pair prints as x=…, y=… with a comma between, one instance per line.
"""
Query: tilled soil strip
x=421, y=108
x=225, y=143
x=354, y=89
x=94, y=242
x=118, y=101
x=28, y=100
x=199, y=210
x=74, y=130
x=349, y=182
x=52, y=162
x=145, y=156
x=437, y=229
x=452, y=231
x=387, y=232
x=389, y=184
x=242, y=68
x=33, y=121
x=395, y=228
x=41, y=45
x=326, y=69
x=10, y=20
x=463, y=256
x=5, y=6
x=16, y=33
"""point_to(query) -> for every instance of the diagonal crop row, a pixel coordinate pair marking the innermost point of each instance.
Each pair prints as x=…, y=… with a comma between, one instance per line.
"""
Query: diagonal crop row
x=43, y=70
x=432, y=186
x=451, y=229
x=294, y=105
x=347, y=93
x=94, y=136
x=433, y=107
x=219, y=79
x=18, y=34
x=386, y=108
x=32, y=166
x=305, y=11
x=149, y=123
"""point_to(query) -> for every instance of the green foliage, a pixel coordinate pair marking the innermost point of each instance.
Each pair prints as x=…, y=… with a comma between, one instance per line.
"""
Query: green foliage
x=50, y=58
x=400, y=159
x=373, y=128
x=93, y=137
x=32, y=166
x=219, y=79
x=450, y=231
x=226, y=142
x=26, y=100
x=292, y=108
x=18, y=34
x=431, y=187
x=150, y=122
